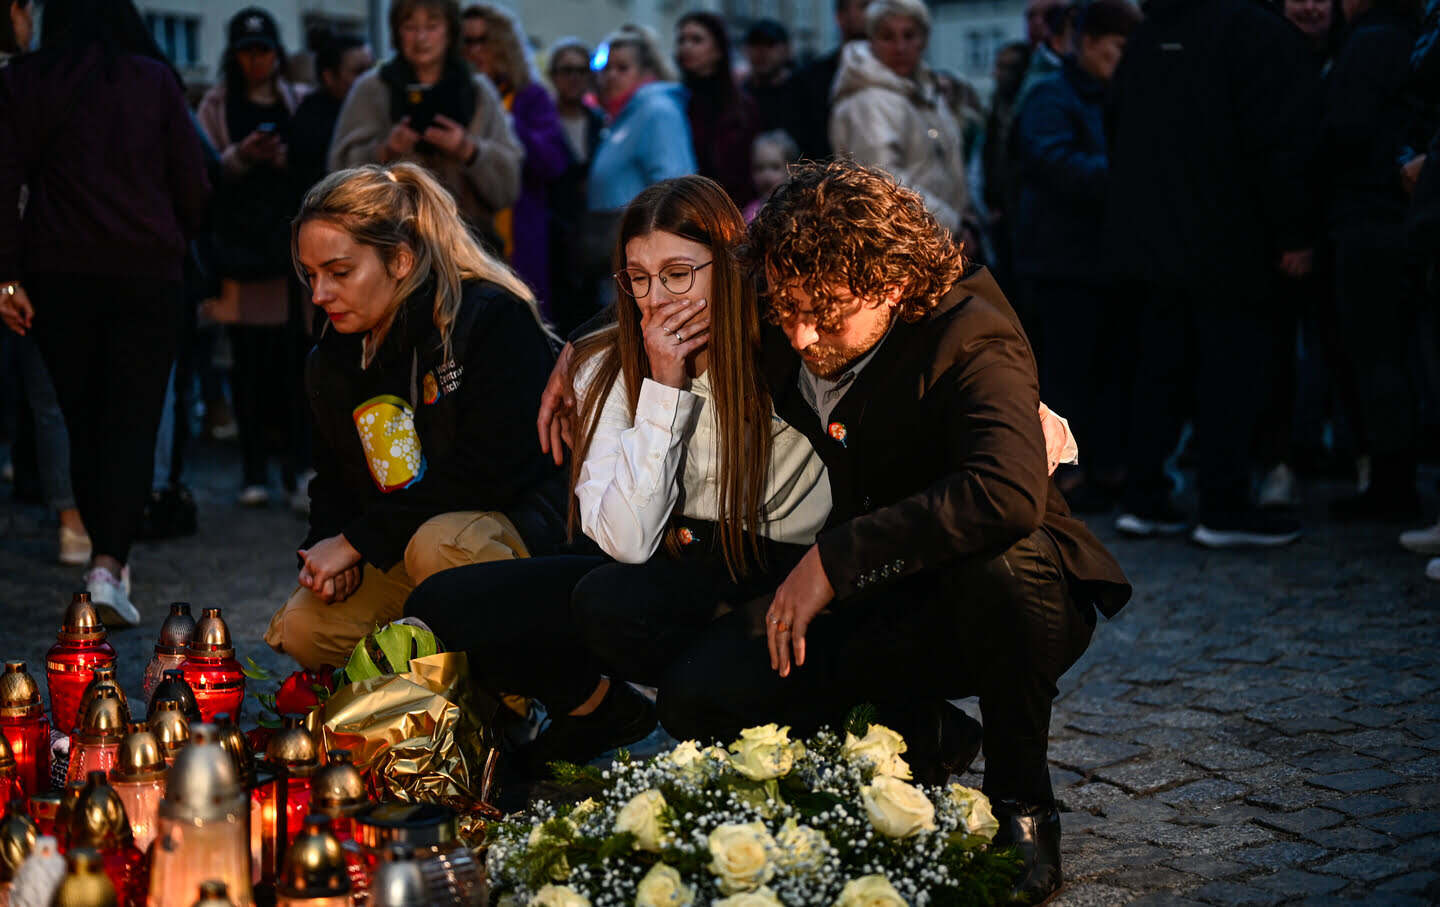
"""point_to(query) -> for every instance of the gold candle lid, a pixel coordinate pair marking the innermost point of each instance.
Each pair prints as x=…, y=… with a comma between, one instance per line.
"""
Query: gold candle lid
x=99, y=819
x=338, y=789
x=139, y=758
x=315, y=864
x=105, y=720
x=177, y=631
x=82, y=621
x=214, y=893
x=294, y=748
x=69, y=798
x=232, y=741
x=212, y=636
x=17, y=839
x=173, y=688
x=19, y=694
x=85, y=883
x=170, y=727
x=103, y=678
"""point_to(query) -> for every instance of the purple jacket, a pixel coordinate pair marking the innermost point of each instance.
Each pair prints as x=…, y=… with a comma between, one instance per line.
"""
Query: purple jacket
x=546, y=159
x=113, y=164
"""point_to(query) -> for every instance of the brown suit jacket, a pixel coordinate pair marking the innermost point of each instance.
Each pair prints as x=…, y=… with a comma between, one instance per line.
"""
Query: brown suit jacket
x=942, y=457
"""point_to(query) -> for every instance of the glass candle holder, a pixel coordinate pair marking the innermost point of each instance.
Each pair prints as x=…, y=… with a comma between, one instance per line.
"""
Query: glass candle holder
x=69, y=665
x=211, y=669
x=99, y=739
x=171, y=648
x=338, y=791
x=214, y=894
x=17, y=840
x=203, y=833
x=69, y=799
x=42, y=809
x=100, y=823
x=278, y=806
x=451, y=872
x=85, y=883
x=139, y=778
x=9, y=773
x=399, y=882
x=170, y=727
x=173, y=688
x=102, y=678
x=315, y=874
x=25, y=728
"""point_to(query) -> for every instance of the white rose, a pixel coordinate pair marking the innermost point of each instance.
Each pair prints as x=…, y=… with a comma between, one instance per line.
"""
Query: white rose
x=644, y=816
x=740, y=856
x=973, y=808
x=559, y=896
x=881, y=747
x=663, y=887
x=560, y=870
x=799, y=847
x=869, y=891
x=897, y=809
x=687, y=752
x=763, y=752
x=761, y=897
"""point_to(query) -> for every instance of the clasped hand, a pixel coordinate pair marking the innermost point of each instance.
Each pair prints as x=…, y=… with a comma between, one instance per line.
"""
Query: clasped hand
x=16, y=310
x=332, y=569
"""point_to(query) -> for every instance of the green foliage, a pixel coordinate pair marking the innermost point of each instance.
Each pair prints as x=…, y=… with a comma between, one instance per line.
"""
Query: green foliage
x=568, y=773
x=980, y=875
x=255, y=671
x=860, y=718
x=808, y=802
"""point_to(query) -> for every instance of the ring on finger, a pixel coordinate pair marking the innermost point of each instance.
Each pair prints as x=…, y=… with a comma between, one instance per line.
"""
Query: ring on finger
x=782, y=627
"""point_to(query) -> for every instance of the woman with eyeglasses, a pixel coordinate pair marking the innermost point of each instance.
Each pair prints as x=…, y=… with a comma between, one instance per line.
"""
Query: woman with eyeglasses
x=680, y=465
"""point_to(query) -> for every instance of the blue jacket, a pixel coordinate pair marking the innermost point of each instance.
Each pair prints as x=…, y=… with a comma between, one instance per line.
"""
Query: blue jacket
x=1060, y=132
x=648, y=142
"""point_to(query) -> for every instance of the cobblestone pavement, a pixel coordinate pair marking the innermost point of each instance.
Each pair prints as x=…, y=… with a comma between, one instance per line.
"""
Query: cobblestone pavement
x=1255, y=728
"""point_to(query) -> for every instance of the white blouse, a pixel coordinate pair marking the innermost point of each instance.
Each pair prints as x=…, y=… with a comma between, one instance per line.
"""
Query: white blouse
x=639, y=471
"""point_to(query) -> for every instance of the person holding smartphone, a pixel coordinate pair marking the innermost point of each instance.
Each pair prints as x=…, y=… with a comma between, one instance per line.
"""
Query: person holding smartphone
x=426, y=106
x=247, y=118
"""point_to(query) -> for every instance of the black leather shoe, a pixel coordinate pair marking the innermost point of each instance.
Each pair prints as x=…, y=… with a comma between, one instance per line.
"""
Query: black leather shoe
x=1035, y=832
x=951, y=748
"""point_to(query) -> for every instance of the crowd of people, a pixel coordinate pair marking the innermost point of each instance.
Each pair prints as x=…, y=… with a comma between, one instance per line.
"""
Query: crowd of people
x=1201, y=230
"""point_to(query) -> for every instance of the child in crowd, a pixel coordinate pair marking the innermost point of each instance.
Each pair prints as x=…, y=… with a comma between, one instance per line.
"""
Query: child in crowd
x=770, y=161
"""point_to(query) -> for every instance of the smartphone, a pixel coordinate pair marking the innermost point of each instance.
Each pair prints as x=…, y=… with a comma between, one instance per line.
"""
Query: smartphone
x=419, y=106
x=266, y=128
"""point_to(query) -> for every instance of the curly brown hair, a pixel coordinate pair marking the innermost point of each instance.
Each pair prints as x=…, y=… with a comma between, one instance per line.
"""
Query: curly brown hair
x=842, y=224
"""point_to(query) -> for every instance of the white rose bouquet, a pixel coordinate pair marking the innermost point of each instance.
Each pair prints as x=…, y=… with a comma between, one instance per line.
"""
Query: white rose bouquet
x=766, y=821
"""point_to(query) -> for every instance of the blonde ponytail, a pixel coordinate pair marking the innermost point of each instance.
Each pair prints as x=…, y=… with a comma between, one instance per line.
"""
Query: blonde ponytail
x=386, y=207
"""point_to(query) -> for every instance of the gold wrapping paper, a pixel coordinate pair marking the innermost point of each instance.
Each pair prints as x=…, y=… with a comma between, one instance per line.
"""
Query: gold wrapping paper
x=418, y=736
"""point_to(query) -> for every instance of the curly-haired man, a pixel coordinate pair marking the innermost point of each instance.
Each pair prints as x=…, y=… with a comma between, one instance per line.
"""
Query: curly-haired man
x=950, y=565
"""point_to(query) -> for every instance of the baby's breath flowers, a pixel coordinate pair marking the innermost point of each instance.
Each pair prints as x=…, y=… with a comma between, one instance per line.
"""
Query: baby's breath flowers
x=768, y=821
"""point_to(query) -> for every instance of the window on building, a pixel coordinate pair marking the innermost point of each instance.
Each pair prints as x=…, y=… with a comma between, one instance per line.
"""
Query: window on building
x=178, y=36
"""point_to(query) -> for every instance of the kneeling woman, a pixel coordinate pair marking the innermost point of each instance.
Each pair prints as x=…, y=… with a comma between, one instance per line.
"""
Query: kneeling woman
x=681, y=463
x=423, y=387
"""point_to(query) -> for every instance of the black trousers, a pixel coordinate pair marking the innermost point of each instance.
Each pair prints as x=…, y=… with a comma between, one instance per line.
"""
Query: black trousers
x=550, y=627
x=266, y=394
x=109, y=343
x=1003, y=628
x=1199, y=357
x=1377, y=302
x=1087, y=367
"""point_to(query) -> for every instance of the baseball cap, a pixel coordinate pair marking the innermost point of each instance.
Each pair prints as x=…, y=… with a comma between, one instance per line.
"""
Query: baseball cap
x=254, y=27
x=767, y=31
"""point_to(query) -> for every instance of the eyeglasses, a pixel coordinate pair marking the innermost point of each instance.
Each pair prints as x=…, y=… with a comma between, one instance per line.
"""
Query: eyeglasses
x=677, y=278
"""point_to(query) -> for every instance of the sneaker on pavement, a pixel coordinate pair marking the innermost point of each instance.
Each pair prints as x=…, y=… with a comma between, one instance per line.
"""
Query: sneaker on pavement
x=1253, y=529
x=1150, y=522
x=623, y=717
x=111, y=595
x=1422, y=541
x=254, y=496
x=75, y=547
x=1432, y=569
x=1277, y=489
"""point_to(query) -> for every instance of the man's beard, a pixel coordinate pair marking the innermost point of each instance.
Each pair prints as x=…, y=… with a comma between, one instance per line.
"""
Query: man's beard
x=829, y=362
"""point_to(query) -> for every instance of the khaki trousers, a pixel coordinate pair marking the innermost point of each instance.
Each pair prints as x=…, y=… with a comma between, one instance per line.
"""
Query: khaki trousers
x=315, y=633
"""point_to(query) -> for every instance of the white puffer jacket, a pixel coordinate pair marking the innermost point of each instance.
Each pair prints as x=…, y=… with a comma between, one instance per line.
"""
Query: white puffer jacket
x=902, y=125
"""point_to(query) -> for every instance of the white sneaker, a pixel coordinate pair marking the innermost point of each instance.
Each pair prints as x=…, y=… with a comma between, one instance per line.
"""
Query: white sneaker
x=75, y=547
x=1422, y=541
x=254, y=496
x=1277, y=489
x=1432, y=569
x=111, y=596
